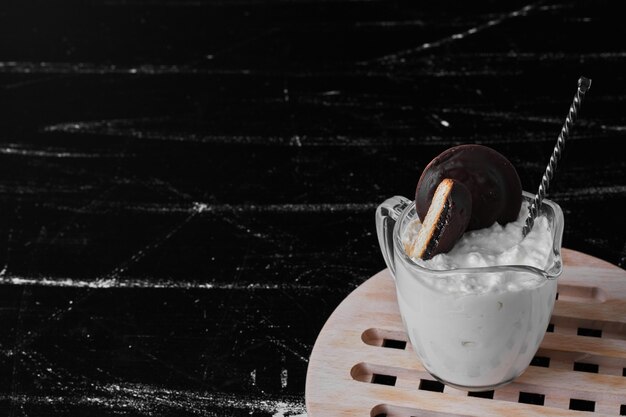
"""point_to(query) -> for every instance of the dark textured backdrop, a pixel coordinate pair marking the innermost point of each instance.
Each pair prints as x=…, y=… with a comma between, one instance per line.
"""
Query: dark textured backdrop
x=232, y=153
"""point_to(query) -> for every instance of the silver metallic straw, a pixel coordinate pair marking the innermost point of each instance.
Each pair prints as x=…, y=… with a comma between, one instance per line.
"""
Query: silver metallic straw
x=583, y=87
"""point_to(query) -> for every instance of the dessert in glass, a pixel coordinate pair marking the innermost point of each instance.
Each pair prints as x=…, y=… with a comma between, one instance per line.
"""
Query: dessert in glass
x=475, y=299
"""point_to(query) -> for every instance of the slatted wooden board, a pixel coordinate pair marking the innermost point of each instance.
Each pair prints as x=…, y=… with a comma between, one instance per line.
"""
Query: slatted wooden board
x=363, y=365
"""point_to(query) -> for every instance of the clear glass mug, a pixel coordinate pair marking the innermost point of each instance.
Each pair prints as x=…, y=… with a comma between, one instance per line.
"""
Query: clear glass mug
x=474, y=342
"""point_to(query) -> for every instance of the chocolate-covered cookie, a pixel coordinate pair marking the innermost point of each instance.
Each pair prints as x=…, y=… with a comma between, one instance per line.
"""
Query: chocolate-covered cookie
x=446, y=220
x=491, y=179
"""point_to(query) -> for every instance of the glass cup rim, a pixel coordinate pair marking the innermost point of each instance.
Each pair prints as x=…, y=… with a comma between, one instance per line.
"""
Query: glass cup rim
x=552, y=271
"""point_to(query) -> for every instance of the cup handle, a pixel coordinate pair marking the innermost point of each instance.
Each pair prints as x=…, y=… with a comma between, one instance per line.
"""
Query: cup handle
x=386, y=216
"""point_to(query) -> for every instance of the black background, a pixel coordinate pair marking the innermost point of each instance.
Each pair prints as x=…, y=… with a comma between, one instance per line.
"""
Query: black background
x=187, y=188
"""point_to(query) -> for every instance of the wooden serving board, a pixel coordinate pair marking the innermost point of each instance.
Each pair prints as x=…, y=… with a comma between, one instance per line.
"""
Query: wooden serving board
x=363, y=365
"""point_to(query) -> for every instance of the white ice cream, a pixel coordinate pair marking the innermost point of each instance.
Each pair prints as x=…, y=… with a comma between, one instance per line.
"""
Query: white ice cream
x=479, y=329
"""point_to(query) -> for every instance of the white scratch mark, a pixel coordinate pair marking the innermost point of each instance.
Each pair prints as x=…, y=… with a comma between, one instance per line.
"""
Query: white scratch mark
x=130, y=282
x=200, y=207
x=284, y=410
x=613, y=128
x=391, y=23
x=135, y=129
x=283, y=378
x=504, y=115
x=283, y=372
x=287, y=348
x=295, y=140
x=441, y=121
x=531, y=118
x=253, y=378
x=544, y=56
x=44, y=67
x=21, y=150
x=150, y=400
x=589, y=192
x=399, y=56
x=106, y=206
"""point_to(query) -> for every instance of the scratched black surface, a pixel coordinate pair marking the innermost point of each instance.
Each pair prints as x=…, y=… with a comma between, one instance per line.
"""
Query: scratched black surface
x=187, y=187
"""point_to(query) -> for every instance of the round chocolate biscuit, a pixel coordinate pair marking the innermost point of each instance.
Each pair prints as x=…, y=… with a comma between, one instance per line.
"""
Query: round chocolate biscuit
x=446, y=221
x=491, y=179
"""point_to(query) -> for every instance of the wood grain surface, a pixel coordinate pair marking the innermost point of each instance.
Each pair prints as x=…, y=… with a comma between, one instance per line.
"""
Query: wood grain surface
x=364, y=364
x=187, y=188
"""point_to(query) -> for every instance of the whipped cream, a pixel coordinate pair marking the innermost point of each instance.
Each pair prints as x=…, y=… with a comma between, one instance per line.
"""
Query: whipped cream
x=492, y=246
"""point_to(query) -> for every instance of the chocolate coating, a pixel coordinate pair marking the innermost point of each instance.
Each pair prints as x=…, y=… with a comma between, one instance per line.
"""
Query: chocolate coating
x=492, y=180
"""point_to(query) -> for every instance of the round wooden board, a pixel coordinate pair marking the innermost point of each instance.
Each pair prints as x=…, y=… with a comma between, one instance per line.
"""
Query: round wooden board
x=362, y=364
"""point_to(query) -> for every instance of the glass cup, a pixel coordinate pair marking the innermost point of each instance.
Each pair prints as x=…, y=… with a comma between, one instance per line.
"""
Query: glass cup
x=474, y=342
